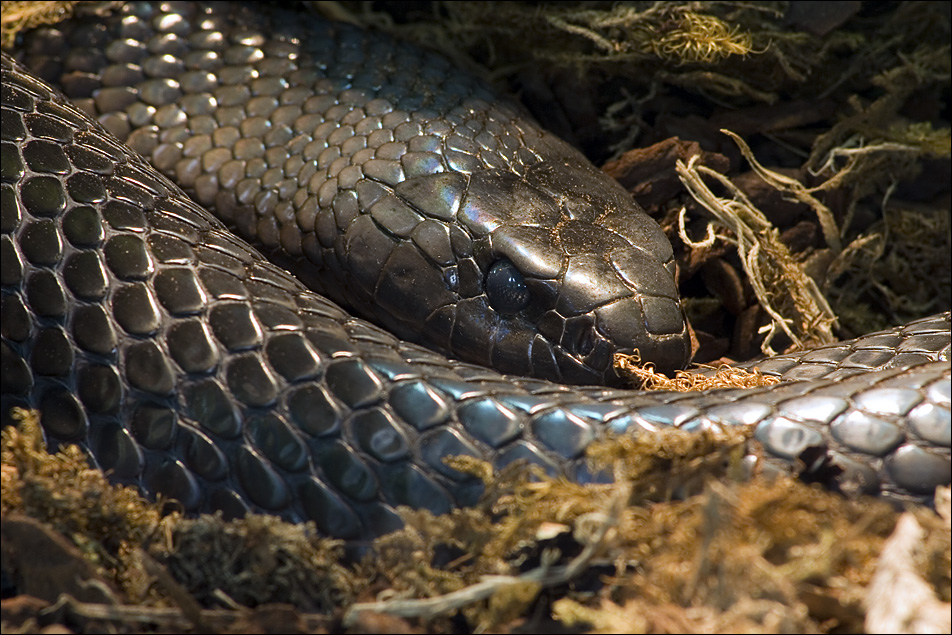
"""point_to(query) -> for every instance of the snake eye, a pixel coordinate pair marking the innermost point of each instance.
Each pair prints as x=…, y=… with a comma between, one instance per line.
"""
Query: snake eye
x=506, y=288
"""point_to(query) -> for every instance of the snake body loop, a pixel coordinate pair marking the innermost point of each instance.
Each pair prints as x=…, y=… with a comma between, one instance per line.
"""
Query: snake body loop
x=187, y=364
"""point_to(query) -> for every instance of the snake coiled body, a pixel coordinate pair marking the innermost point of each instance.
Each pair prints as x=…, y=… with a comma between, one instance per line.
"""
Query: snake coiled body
x=143, y=329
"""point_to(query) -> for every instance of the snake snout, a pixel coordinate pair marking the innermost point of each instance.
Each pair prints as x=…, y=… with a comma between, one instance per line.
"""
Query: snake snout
x=617, y=302
x=655, y=327
x=650, y=320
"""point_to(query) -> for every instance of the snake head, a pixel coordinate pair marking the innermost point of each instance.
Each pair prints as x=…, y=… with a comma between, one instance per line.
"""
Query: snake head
x=547, y=272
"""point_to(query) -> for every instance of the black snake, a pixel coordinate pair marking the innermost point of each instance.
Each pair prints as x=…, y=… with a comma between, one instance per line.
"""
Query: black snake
x=141, y=328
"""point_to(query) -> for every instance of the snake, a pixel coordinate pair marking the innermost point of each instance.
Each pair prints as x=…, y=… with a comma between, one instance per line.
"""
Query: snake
x=412, y=229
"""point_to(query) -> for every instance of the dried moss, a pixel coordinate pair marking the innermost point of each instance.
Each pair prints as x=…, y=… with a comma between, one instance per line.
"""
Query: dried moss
x=645, y=377
x=737, y=557
x=543, y=527
x=729, y=556
x=19, y=16
x=258, y=560
x=253, y=561
x=105, y=522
